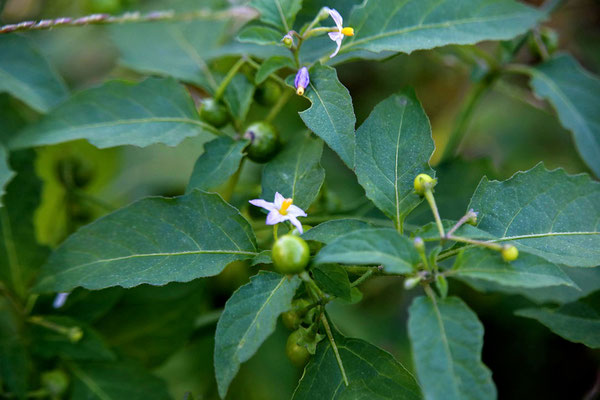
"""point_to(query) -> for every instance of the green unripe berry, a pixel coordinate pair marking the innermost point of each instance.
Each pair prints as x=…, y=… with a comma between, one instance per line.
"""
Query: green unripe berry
x=264, y=141
x=290, y=254
x=56, y=382
x=293, y=318
x=509, y=253
x=297, y=354
x=268, y=93
x=424, y=182
x=214, y=113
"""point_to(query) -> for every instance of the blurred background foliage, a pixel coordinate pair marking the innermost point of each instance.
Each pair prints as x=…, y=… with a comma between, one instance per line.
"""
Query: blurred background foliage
x=511, y=131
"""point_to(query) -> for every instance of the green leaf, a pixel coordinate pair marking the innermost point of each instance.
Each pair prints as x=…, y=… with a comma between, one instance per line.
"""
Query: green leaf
x=179, y=49
x=333, y=280
x=220, y=160
x=119, y=113
x=393, y=146
x=14, y=358
x=238, y=96
x=136, y=332
x=260, y=34
x=20, y=254
x=547, y=213
x=249, y=318
x=574, y=93
x=295, y=172
x=380, y=246
x=446, y=339
x=372, y=374
x=48, y=343
x=328, y=231
x=155, y=241
x=6, y=174
x=270, y=65
x=527, y=271
x=390, y=25
x=278, y=13
x=27, y=75
x=115, y=381
x=430, y=231
x=331, y=115
x=577, y=322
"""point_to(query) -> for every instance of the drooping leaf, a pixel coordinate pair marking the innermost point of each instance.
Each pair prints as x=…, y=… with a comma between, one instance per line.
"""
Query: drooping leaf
x=249, y=318
x=115, y=380
x=574, y=94
x=155, y=241
x=15, y=364
x=372, y=374
x=6, y=174
x=260, y=34
x=238, y=96
x=270, y=65
x=389, y=25
x=577, y=322
x=181, y=49
x=528, y=270
x=380, y=246
x=20, y=254
x=27, y=75
x=393, y=146
x=333, y=280
x=278, y=13
x=48, y=343
x=328, y=231
x=220, y=160
x=547, y=213
x=295, y=172
x=119, y=113
x=331, y=115
x=136, y=332
x=446, y=339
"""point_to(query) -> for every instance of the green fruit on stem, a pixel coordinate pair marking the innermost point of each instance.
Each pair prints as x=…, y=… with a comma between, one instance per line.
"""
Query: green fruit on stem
x=293, y=318
x=56, y=382
x=264, y=141
x=509, y=253
x=423, y=182
x=214, y=113
x=297, y=354
x=290, y=254
x=268, y=93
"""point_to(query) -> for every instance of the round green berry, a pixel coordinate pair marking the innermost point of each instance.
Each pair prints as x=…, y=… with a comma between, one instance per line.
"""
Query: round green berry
x=297, y=354
x=268, y=93
x=290, y=254
x=264, y=141
x=214, y=113
x=510, y=253
x=423, y=182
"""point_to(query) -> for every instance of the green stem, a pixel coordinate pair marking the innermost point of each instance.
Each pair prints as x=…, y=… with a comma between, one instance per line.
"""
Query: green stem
x=489, y=245
x=227, y=80
x=275, y=228
x=334, y=347
x=464, y=117
x=232, y=182
x=436, y=213
x=14, y=265
x=279, y=105
x=208, y=319
x=363, y=277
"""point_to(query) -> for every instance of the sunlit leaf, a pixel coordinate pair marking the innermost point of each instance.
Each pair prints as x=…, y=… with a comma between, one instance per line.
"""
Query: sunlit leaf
x=249, y=318
x=447, y=339
x=155, y=241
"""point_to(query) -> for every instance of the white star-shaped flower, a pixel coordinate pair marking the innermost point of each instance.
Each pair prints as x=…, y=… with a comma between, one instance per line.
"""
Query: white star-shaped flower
x=338, y=36
x=281, y=209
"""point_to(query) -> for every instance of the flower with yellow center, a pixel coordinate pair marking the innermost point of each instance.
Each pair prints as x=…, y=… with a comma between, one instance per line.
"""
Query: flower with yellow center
x=280, y=210
x=338, y=36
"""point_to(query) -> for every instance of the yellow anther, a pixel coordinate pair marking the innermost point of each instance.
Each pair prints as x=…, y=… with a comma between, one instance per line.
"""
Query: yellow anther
x=300, y=91
x=347, y=31
x=284, y=206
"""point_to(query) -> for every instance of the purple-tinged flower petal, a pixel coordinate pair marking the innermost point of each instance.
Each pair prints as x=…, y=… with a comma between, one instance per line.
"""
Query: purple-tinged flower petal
x=337, y=18
x=335, y=36
x=60, y=300
x=296, y=211
x=278, y=200
x=274, y=217
x=339, y=44
x=263, y=204
x=302, y=78
x=296, y=223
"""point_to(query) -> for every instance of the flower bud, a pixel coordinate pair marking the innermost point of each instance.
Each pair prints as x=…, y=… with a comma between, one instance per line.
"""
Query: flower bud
x=419, y=244
x=424, y=182
x=471, y=218
x=302, y=81
x=288, y=41
x=75, y=334
x=509, y=253
x=410, y=283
